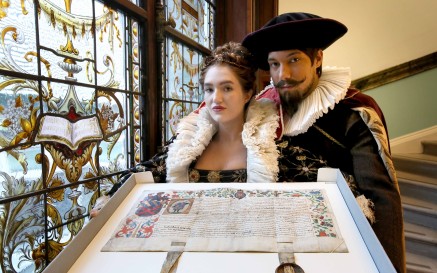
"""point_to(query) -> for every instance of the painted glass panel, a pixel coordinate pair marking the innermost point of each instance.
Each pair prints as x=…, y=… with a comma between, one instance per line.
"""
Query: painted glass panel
x=19, y=106
x=66, y=38
x=23, y=164
x=136, y=86
x=18, y=40
x=174, y=111
x=182, y=91
x=109, y=31
x=194, y=19
x=23, y=225
x=67, y=206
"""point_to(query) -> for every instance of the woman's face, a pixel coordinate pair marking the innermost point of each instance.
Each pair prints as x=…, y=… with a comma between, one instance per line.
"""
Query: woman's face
x=224, y=96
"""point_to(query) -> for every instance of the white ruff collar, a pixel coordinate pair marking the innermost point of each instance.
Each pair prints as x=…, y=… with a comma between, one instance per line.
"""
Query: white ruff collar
x=195, y=131
x=332, y=88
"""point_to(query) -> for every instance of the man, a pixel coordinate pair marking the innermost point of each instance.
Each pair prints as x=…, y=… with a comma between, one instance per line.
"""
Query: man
x=324, y=123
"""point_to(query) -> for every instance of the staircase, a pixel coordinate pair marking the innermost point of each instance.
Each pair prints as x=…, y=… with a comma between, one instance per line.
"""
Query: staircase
x=417, y=176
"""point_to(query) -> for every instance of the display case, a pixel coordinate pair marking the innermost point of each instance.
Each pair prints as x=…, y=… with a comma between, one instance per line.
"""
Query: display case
x=84, y=254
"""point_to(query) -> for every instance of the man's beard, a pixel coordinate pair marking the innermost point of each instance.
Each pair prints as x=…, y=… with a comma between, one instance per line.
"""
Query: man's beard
x=290, y=100
x=290, y=103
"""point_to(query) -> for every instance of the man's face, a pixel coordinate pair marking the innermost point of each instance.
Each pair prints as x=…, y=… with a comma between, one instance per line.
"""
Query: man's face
x=294, y=76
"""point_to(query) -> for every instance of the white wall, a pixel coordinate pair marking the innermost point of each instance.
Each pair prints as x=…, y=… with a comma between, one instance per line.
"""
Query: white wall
x=382, y=33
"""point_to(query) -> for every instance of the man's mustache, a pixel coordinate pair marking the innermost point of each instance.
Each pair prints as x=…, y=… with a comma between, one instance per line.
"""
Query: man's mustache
x=283, y=83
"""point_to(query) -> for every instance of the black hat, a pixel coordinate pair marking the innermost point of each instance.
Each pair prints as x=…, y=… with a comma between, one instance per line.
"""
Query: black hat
x=292, y=31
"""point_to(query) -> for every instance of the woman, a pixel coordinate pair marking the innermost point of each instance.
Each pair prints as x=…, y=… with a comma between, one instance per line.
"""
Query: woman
x=230, y=137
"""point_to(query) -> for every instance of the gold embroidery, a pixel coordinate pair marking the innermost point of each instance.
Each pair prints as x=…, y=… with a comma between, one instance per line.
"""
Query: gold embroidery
x=329, y=136
x=214, y=176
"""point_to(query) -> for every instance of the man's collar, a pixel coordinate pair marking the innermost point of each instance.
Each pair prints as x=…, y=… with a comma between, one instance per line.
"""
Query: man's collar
x=332, y=88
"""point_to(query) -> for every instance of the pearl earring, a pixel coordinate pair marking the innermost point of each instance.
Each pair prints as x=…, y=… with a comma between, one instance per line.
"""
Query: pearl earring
x=271, y=81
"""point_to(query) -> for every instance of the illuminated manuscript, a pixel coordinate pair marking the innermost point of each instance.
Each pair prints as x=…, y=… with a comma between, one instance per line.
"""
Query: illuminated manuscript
x=227, y=219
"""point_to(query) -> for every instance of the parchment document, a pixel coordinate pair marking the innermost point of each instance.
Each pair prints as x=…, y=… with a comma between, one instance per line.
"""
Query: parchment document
x=229, y=220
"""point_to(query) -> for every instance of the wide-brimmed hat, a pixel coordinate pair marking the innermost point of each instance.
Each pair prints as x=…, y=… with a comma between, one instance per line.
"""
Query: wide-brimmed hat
x=296, y=30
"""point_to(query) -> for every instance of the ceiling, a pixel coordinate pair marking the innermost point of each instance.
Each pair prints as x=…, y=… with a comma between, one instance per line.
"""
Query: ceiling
x=382, y=33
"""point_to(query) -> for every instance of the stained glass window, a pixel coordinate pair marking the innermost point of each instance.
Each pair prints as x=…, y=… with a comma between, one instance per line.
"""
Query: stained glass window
x=70, y=92
x=182, y=58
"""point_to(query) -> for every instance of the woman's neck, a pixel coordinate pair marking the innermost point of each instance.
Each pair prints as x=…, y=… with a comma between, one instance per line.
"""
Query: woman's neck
x=229, y=132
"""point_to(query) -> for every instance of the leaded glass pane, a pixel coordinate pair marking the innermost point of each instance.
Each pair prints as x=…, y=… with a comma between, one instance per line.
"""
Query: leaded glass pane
x=137, y=130
x=63, y=98
x=137, y=146
x=67, y=165
x=114, y=154
x=181, y=84
x=19, y=107
x=22, y=164
x=136, y=107
x=66, y=39
x=109, y=30
x=69, y=204
x=18, y=43
x=113, y=114
x=174, y=111
x=194, y=18
x=136, y=87
x=23, y=225
x=67, y=218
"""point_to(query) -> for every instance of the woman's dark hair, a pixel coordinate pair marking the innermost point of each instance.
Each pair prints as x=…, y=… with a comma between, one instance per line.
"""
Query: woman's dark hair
x=238, y=58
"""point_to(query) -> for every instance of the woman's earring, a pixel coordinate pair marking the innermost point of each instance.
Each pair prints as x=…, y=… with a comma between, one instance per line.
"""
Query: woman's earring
x=271, y=81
